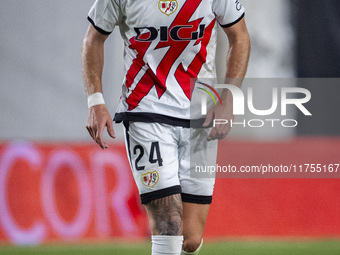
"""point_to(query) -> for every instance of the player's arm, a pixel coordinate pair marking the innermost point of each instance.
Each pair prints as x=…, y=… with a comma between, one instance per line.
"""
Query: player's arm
x=92, y=67
x=237, y=63
x=239, y=50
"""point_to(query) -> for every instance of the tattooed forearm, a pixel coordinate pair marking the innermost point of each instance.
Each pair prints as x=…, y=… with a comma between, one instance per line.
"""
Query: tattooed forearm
x=165, y=215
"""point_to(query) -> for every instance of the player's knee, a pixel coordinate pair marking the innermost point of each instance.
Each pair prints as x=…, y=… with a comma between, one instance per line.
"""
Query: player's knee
x=192, y=244
x=166, y=215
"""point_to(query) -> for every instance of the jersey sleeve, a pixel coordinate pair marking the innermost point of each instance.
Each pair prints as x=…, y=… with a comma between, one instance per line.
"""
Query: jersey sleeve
x=228, y=12
x=105, y=15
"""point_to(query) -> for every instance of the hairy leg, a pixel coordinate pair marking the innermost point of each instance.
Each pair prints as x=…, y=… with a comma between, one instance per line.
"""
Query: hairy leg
x=165, y=215
x=194, y=219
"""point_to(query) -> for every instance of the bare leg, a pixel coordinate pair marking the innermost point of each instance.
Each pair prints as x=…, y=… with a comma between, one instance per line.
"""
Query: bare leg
x=194, y=219
x=165, y=216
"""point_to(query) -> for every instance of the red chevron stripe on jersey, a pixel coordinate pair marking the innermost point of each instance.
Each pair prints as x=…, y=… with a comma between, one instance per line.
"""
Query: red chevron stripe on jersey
x=177, y=47
x=179, y=29
x=165, y=51
x=138, y=62
x=183, y=77
x=147, y=81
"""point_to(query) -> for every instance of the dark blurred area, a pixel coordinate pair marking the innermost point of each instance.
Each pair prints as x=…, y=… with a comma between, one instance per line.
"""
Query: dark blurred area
x=317, y=28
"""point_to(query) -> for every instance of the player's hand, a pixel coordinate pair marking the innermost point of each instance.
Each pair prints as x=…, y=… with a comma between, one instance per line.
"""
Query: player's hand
x=224, y=112
x=99, y=118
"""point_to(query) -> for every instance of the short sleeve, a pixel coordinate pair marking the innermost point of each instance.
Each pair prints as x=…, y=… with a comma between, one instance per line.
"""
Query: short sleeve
x=105, y=15
x=228, y=12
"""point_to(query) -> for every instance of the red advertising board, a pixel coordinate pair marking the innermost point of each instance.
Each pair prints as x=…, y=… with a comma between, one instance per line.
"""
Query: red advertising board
x=67, y=192
x=76, y=192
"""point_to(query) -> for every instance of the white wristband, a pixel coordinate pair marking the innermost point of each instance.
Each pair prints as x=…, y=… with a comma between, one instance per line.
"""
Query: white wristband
x=95, y=99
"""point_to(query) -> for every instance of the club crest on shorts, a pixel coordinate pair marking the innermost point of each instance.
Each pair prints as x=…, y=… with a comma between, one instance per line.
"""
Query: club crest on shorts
x=168, y=6
x=150, y=179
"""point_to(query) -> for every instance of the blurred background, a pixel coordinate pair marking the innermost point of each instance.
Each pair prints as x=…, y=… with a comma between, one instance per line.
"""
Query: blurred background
x=57, y=186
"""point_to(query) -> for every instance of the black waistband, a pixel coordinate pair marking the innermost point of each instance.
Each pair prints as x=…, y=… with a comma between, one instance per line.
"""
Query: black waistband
x=158, y=118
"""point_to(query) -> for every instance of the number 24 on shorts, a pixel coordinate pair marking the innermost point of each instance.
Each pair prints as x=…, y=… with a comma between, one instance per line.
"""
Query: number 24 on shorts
x=154, y=149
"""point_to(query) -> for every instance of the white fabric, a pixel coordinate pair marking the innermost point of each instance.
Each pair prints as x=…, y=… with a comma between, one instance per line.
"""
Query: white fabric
x=185, y=49
x=180, y=149
x=95, y=99
x=227, y=12
x=166, y=245
x=105, y=14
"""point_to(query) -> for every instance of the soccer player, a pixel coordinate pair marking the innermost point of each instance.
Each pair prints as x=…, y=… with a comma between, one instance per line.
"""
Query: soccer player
x=167, y=44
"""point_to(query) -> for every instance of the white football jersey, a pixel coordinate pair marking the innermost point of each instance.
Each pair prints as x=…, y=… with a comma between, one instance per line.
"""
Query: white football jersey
x=167, y=44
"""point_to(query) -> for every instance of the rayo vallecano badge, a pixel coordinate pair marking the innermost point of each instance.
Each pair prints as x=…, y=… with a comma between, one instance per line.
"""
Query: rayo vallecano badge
x=167, y=6
x=150, y=179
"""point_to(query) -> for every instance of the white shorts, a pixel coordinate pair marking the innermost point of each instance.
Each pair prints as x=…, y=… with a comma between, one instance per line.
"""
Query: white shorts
x=161, y=157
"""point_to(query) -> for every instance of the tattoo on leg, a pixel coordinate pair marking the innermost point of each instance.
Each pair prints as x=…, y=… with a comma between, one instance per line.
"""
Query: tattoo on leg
x=167, y=215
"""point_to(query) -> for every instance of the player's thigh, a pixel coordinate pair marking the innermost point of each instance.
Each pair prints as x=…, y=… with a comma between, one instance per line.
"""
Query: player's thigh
x=197, y=188
x=153, y=156
x=165, y=215
x=197, y=153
